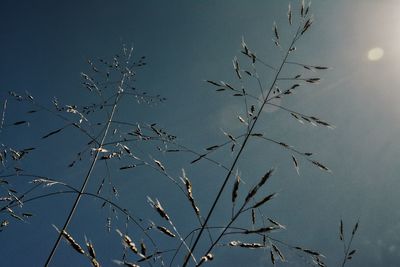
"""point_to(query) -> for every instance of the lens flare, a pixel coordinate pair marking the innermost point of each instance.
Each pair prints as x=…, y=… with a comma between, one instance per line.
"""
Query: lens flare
x=375, y=54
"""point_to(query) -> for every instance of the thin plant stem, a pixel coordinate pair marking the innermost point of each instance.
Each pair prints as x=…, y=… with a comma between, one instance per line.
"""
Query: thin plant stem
x=237, y=158
x=3, y=115
x=73, y=190
x=85, y=182
x=346, y=254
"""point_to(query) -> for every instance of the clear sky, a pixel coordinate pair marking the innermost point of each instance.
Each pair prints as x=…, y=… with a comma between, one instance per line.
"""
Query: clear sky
x=45, y=46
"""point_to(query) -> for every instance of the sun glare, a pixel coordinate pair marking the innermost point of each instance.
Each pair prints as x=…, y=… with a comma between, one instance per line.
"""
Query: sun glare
x=375, y=54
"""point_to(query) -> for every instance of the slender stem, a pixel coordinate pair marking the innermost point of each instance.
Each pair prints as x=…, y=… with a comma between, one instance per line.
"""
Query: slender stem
x=258, y=81
x=85, y=182
x=225, y=229
x=3, y=115
x=239, y=231
x=73, y=190
x=265, y=64
x=346, y=254
x=237, y=158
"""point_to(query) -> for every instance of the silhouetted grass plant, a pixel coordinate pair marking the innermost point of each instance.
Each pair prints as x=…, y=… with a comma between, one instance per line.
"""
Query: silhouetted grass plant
x=111, y=81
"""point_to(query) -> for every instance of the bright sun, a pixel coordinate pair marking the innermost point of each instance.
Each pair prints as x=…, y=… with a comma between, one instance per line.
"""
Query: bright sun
x=375, y=54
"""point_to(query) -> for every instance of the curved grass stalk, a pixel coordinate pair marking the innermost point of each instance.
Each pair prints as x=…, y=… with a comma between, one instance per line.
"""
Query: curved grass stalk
x=86, y=180
x=238, y=155
x=73, y=190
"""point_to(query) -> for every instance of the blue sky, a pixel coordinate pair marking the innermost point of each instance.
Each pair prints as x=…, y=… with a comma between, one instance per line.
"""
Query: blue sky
x=45, y=47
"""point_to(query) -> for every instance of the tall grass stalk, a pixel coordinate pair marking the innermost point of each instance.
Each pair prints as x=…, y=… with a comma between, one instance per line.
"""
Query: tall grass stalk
x=87, y=177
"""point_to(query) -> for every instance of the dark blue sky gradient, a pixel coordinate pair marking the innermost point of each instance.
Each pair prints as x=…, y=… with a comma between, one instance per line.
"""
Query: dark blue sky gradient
x=45, y=46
